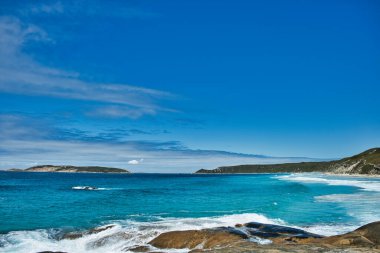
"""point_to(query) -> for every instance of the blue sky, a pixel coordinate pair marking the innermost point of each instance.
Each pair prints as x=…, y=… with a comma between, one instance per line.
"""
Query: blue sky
x=175, y=86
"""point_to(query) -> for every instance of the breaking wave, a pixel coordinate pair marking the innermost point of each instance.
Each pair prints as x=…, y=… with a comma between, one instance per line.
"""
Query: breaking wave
x=92, y=188
x=363, y=184
x=128, y=234
x=360, y=205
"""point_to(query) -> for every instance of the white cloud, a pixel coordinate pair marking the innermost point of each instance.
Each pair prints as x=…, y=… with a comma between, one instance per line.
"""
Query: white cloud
x=21, y=74
x=134, y=162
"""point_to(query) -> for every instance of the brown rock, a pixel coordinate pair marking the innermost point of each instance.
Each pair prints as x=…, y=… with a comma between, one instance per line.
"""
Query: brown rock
x=367, y=235
x=250, y=247
x=206, y=238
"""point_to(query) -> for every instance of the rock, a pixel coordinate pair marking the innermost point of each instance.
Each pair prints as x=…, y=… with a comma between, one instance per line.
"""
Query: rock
x=367, y=235
x=250, y=247
x=191, y=239
x=76, y=235
x=284, y=239
x=270, y=231
x=100, y=229
x=51, y=252
x=73, y=235
x=140, y=249
x=371, y=232
x=109, y=239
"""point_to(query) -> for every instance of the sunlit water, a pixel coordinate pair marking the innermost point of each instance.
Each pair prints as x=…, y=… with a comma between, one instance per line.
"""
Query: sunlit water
x=36, y=208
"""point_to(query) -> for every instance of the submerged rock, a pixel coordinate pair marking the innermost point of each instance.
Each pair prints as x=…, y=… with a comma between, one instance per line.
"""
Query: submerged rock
x=109, y=239
x=76, y=235
x=51, y=252
x=140, y=249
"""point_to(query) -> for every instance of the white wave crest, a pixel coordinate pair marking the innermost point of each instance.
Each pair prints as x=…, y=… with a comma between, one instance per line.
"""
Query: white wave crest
x=329, y=230
x=362, y=183
x=124, y=235
x=92, y=188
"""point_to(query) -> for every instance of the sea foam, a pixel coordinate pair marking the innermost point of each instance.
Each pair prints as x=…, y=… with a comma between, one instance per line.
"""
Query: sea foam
x=124, y=235
x=363, y=184
x=128, y=234
x=359, y=205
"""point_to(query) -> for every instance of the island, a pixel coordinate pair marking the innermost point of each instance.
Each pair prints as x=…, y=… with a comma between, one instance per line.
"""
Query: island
x=71, y=169
x=365, y=163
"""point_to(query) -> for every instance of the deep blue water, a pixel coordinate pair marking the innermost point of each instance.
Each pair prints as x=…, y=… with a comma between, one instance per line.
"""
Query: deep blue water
x=30, y=201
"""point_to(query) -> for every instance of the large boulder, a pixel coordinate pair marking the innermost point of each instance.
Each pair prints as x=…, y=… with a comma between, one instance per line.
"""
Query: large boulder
x=270, y=231
x=191, y=239
x=367, y=235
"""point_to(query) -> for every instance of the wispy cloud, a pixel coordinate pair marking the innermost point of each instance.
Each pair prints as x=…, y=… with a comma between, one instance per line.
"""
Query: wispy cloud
x=21, y=74
x=115, y=135
x=26, y=142
x=121, y=111
x=87, y=8
x=47, y=8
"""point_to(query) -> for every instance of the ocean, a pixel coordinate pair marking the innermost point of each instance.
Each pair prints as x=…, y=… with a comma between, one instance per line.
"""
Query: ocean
x=36, y=209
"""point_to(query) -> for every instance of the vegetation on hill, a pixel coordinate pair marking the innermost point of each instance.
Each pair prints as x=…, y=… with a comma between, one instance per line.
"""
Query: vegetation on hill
x=65, y=168
x=367, y=162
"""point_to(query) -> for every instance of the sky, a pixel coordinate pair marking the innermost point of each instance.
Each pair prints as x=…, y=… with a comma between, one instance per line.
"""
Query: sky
x=176, y=86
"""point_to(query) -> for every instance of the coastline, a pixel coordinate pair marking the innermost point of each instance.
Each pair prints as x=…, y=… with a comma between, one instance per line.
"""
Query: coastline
x=295, y=173
x=352, y=175
x=194, y=173
x=240, y=238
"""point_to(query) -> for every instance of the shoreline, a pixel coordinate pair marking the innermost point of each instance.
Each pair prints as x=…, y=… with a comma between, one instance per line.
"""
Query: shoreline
x=298, y=173
x=239, y=238
x=194, y=173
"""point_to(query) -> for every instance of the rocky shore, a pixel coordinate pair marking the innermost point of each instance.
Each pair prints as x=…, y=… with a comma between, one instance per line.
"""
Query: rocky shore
x=250, y=237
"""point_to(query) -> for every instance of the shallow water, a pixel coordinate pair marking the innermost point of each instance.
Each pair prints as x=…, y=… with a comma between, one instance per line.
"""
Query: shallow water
x=36, y=208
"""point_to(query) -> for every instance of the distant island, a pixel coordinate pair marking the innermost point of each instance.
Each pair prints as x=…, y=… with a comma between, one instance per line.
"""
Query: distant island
x=366, y=163
x=72, y=169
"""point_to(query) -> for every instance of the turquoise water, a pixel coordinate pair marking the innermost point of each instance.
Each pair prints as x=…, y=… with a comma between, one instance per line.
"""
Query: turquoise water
x=34, y=207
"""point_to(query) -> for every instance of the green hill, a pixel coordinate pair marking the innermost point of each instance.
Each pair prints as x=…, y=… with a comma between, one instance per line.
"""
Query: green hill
x=74, y=169
x=367, y=163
